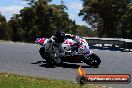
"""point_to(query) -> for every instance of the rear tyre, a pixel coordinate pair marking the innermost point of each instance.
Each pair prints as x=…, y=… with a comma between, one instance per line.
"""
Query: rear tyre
x=45, y=55
x=92, y=60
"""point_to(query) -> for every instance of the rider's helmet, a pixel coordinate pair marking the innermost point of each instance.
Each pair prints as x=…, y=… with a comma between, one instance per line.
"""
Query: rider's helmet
x=59, y=37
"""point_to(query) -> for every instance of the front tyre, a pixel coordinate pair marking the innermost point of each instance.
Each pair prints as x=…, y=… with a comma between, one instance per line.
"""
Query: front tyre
x=92, y=60
x=45, y=55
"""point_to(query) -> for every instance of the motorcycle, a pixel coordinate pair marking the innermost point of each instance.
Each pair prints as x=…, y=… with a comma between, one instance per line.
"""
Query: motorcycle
x=71, y=50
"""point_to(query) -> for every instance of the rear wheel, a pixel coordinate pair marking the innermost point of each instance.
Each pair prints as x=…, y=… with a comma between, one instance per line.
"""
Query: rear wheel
x=92, y=60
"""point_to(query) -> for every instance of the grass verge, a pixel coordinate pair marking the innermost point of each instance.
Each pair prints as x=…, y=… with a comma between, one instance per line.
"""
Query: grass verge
x=17, y=81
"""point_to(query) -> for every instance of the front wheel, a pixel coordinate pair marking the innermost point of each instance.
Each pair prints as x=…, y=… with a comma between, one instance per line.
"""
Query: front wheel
x=45, y=55
x=92, y=60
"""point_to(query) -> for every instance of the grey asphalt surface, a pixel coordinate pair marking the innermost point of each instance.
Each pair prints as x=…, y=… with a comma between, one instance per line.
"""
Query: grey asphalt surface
x=24, y=59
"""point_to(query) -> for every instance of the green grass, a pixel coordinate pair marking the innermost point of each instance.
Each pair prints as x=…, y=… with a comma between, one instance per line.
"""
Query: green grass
x=17, y=81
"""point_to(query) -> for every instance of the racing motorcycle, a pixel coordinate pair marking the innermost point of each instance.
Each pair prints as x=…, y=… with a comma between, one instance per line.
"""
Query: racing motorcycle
x=70, y=50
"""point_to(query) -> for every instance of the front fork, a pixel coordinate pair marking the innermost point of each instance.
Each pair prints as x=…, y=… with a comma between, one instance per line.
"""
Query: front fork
x=55, y=52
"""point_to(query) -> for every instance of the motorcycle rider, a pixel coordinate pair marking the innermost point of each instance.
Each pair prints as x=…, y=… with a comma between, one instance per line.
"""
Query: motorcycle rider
x=59, y=37
x=56, y=43
x=53, y=46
